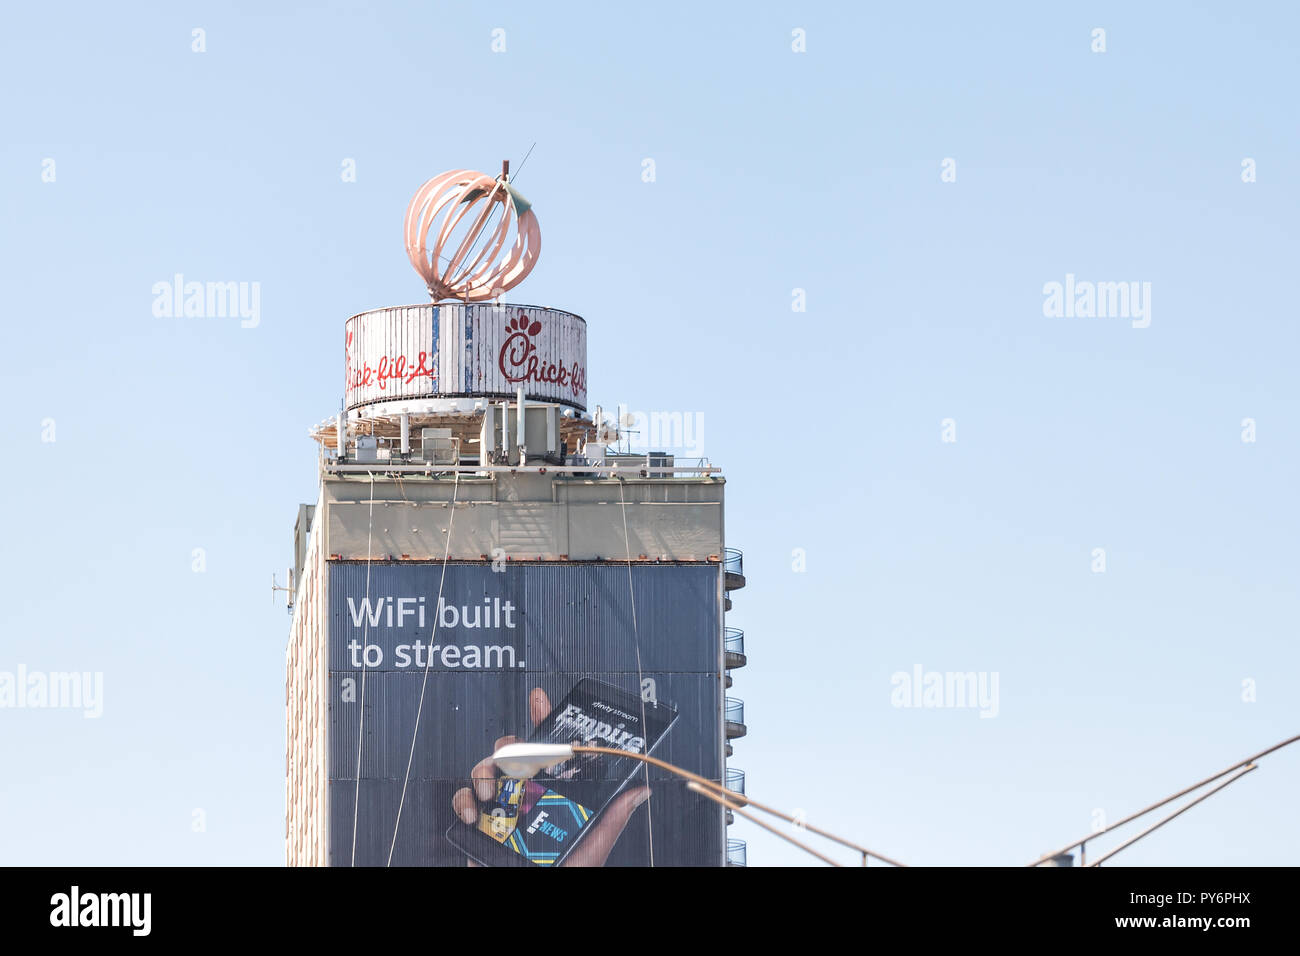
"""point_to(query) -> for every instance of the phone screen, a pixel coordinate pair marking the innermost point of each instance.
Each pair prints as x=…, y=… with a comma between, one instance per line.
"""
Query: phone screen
x=540, y=820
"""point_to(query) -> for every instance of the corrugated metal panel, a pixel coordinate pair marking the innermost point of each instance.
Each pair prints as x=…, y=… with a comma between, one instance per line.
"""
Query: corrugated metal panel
x=550, y=617
x=555, y=626
x=679, y=818
x=452, y=349
x=459, y=728
x=464, y=714
x=580, y=618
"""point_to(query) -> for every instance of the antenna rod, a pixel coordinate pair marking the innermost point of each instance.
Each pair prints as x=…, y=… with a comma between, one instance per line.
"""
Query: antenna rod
x=525, y=159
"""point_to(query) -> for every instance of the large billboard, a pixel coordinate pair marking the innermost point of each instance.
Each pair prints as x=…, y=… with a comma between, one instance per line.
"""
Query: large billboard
x=567, y=653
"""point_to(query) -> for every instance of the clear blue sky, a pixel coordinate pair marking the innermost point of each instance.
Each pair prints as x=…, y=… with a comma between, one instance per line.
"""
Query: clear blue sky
x=775, y=171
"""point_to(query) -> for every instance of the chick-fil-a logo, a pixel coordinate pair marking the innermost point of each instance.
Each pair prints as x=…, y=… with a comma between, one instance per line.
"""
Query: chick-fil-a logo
x=519, y=361
x=390, y=369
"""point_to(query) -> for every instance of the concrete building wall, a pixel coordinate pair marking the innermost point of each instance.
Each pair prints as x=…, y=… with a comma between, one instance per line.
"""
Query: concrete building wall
x=306, y=813
x=529, y=517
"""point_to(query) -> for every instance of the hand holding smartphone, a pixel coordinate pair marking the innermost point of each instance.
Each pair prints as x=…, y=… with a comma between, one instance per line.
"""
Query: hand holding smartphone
x=571, y=814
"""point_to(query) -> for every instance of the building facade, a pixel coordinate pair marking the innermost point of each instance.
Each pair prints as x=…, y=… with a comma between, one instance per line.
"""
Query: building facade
x=483, y=564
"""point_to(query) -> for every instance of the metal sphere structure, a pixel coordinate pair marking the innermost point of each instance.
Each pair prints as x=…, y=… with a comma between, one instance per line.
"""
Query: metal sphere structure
x=457, y=226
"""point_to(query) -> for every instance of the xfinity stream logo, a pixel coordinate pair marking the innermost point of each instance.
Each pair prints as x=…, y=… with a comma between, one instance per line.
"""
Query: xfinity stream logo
x=102, y=909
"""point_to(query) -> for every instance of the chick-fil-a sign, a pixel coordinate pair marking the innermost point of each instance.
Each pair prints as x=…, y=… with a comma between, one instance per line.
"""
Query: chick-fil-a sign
x=388, y=370
x=519, y=360
x=457, y=350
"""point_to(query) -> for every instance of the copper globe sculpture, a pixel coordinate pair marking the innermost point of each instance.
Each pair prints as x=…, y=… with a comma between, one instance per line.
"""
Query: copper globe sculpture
x=457, y=226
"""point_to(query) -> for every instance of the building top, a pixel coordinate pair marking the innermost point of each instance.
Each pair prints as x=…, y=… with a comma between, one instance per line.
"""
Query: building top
x=476, y=385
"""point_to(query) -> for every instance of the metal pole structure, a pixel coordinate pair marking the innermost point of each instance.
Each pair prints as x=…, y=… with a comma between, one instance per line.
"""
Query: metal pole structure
x=739, y=798
x=735, y=808
x=1169, y=799
x=1178, y=812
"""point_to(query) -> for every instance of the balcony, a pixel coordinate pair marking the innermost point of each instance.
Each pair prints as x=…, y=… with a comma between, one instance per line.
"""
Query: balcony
x=736, y=784
x=735, y=852
x=734, y=715
x=733, y=564
x=735, y=781
x=734, y=646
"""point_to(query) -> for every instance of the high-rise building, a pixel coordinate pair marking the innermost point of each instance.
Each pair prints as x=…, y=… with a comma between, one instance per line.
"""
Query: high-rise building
x=482, y=562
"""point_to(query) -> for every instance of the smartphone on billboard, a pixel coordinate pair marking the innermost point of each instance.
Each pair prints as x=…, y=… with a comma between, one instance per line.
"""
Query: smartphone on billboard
x=539, y=822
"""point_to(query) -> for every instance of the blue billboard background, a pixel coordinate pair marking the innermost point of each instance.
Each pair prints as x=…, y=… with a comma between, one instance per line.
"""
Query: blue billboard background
x=501, y=636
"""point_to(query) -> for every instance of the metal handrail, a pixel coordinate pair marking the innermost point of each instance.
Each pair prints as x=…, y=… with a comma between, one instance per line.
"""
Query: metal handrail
x=607, y=470
x=733, y=560
x=737, y=808
x=735, y=710
x=739, y=802
x=736, y=854
x=735, y=780
x=1248, y=763
x=734, y=640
